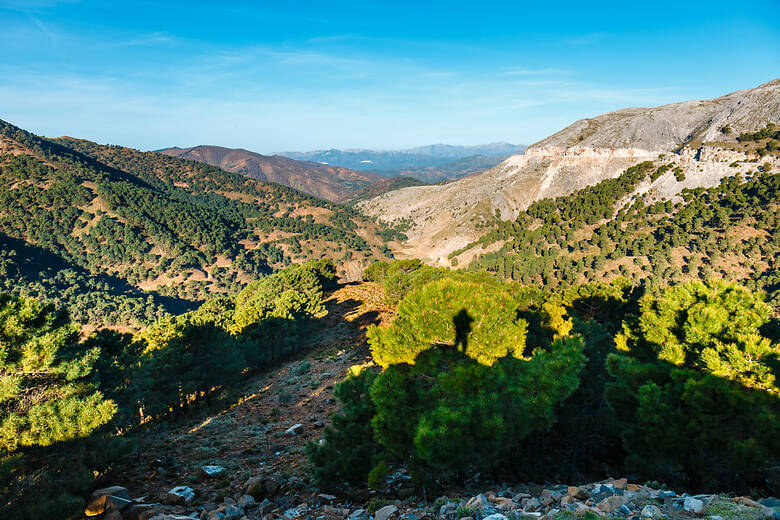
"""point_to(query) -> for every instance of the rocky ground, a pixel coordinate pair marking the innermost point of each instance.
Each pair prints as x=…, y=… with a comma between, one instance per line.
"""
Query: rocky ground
x=247, y=461
x=268, y=499
x=271, y=419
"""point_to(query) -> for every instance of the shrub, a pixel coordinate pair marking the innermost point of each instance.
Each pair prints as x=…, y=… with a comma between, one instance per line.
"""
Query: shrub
x=325, y=271
x=458, y=389
x=586, y=431
x=404, y=276
x=51, y=412
x=447, y=412
x=375, y=272
x=45, y=395
x=694, y=386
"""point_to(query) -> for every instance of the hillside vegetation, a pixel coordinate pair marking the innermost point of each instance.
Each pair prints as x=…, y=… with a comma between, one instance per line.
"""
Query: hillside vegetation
x=119, y=235
x=70, y=407
x=703, y=141
x=481, y=376
x=729, y=231
x=227, y=347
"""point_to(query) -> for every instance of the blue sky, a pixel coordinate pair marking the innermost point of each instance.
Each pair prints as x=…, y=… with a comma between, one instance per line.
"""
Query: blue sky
x=279, y=76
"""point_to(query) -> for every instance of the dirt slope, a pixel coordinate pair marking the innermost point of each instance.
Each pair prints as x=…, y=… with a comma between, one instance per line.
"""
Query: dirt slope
x=248, y=438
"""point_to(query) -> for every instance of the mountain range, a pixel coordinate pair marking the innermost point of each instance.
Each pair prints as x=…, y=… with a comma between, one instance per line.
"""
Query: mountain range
x=619, y=280
x=700, y=138
x=340, y=175
x=333, y=183
x=394, y=162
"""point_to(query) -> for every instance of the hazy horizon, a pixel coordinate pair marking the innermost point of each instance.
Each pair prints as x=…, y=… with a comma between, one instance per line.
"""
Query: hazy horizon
x=353, y=76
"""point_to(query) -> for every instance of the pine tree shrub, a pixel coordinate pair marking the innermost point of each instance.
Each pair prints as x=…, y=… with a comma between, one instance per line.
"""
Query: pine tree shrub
x=183, y=361
x=51, y=413
x=376, y=272
x=458, y=389
x=694, y=386
x=586, y=433
x=404, y=276
x=45, y=393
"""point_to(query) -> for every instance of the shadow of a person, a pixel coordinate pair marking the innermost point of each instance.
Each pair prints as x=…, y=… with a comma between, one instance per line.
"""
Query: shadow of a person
x=462, y=322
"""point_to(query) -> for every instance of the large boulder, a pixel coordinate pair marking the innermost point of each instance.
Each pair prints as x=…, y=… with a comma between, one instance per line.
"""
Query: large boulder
x=693, y=505
x=114, y=498
x=262, y=487
x=478, y=503
x=180, y=495
x=232, y=512
x=611, y=504
x=448, y=510
x=138, y=511
x=212, y=470
x=294, y=429
x=385, y=512
x=358, y=514
x=246, y=501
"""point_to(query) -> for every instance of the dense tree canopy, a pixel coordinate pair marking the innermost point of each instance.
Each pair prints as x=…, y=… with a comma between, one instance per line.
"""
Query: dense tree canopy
x=729, y=231
x=122, y=222
x=459, y=387
x=695, y=389
x=45, y=394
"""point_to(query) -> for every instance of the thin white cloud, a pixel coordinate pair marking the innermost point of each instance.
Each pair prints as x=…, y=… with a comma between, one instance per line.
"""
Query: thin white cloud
x=45, y=30
x=152, y=39
x=439, y=74
x=334, y=38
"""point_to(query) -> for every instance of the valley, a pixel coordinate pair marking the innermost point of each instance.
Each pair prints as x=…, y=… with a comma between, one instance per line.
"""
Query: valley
x=332, y=183
x=166, y=231
x=447, y=218
x=587, y=329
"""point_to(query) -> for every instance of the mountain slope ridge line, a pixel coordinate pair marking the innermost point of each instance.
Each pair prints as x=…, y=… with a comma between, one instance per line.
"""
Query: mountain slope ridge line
x=448, y=218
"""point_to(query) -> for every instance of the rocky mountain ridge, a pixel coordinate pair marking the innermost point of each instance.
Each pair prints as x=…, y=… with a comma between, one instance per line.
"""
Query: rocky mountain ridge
x=668, y=127
x=447, y=218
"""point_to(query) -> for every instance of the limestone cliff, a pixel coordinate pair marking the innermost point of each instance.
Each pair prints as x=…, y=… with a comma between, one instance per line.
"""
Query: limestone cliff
x=448, y=217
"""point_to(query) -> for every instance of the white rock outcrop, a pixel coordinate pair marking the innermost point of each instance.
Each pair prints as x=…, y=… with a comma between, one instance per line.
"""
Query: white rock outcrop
x=446, y=218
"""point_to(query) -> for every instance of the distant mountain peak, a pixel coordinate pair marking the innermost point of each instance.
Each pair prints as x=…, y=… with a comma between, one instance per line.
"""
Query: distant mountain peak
x=316, y=178
x=411, y=160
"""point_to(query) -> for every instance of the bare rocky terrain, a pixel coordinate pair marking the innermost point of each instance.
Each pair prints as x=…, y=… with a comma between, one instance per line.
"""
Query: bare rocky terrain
x=697, y=136
x=668, y=127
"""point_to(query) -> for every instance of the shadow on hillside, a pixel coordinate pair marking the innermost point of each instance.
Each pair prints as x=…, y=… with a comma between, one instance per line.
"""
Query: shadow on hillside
x=31, y=264
x=349, y=311
x=462, y=322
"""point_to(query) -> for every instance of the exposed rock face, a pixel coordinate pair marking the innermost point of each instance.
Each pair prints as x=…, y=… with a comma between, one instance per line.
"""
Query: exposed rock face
x=669, y=126
x=449, y=217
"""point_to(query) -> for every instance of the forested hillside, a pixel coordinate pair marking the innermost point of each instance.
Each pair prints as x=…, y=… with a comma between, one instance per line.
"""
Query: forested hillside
x=599, y=233
x=118, y=236
x=70, y=406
